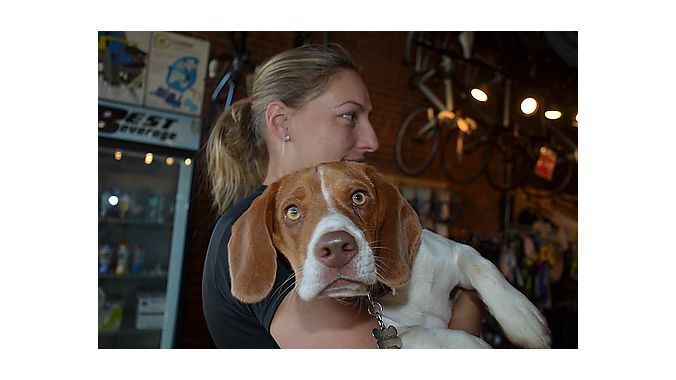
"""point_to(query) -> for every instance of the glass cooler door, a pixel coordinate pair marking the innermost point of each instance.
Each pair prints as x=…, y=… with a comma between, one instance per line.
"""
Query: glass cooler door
x=143, y=204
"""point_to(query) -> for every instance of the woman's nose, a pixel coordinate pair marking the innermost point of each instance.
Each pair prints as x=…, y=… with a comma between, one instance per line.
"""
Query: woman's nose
x=368, y=140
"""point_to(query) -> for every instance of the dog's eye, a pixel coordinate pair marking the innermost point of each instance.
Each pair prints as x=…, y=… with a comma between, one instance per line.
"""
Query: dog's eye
x=293, y=213
x=359, y=198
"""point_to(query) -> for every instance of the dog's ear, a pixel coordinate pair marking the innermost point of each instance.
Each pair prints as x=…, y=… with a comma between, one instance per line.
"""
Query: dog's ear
x=251, y=253
x=398, y=232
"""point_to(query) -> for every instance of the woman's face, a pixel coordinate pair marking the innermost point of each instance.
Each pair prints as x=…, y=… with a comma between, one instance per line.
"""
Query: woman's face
x=334, y=126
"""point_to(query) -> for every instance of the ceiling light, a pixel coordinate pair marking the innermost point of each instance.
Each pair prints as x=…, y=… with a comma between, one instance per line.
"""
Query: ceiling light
x=529, y=106
x=553, y=114
x=479, y=94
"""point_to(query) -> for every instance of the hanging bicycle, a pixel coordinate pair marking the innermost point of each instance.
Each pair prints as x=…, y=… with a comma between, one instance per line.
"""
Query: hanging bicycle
x=466, y=146
x=510, y=163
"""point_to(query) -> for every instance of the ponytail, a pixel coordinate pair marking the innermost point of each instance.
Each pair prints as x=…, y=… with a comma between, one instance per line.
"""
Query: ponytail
x=236, y=156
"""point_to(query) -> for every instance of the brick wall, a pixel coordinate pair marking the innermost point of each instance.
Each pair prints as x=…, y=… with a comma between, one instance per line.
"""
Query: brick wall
x=387, y=78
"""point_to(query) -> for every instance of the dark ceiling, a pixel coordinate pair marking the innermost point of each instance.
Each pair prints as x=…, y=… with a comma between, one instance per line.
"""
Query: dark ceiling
x=542, y=58
x=539, y=64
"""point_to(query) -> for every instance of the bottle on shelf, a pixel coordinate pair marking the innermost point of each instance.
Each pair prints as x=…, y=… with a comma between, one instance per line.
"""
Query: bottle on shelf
x=104, y=205
x=124, y=205
x=138, y=259
x=105, y=259
x=113, y=202
x=122, y=266
x=102, y=307
x=156, y=207
x=137, y=209
x=112, y=316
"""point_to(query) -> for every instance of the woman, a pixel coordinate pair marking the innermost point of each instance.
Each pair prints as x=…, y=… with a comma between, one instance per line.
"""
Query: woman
x=308, y=105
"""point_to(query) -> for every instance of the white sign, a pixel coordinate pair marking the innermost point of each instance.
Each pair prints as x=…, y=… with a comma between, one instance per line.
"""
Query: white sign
x=144, y=125
x=176, y=73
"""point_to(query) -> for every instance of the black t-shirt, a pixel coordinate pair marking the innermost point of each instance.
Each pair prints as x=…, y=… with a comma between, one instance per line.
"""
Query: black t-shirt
x=234, y=324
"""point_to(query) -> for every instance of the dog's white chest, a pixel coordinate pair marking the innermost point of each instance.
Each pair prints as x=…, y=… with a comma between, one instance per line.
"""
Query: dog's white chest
x=425, y=300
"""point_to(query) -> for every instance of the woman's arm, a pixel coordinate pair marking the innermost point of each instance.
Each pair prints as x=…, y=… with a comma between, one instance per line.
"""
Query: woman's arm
x=467, y=311
x=321, y=323
x=326, y=323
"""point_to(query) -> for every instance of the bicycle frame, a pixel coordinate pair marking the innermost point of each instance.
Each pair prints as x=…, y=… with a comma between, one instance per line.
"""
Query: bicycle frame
x=448, y=86
x=445, y=110
x=230, y=79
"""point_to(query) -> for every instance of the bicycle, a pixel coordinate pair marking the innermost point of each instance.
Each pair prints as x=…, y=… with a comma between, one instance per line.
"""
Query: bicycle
x=231, y=72
x=466, y=145
x=510, y=161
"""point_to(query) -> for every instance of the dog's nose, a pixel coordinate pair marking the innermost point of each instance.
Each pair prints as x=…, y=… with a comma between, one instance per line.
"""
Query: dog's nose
x=335, y=249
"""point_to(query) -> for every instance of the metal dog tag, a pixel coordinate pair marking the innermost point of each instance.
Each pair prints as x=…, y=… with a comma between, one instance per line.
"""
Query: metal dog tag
x=387, y=337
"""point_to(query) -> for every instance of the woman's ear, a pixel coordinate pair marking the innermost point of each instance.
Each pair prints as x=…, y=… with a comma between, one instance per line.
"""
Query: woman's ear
x=276, y=115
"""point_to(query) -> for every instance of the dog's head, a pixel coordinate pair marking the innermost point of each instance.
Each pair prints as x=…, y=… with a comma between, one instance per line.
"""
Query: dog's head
x=341, y=225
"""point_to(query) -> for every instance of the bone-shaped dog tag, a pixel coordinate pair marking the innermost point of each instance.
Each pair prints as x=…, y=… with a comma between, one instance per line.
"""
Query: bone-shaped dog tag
x=387, y=337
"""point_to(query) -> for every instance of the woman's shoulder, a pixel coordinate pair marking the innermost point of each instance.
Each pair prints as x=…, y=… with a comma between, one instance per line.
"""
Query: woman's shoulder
x=230, y=216
x=220, y=235
x=217, y=250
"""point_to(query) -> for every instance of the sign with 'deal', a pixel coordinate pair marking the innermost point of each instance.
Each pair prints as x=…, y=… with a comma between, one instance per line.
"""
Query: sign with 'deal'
x=176, y=73
x=148, y=126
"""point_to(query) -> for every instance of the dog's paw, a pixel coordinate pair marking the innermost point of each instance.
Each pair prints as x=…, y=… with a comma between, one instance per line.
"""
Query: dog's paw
x=521, y=321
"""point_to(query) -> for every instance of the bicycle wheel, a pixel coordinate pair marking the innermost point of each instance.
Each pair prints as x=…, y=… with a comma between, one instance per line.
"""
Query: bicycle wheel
x=465, y=156
x=510, y=164
x=423, y=49
x=417, y=142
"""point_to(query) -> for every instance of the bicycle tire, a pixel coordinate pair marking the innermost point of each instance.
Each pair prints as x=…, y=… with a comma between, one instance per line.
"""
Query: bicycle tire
x=510, y=164
x=418, y=145
x=465, y=169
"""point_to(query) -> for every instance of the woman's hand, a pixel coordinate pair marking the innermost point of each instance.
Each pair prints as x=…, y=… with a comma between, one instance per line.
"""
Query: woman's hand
x=467, y=311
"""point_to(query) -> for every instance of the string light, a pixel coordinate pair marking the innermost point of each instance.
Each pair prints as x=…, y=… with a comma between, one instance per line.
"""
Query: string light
x=170, y=161
x=188, y=161
x=149, y=159
x=118, y=155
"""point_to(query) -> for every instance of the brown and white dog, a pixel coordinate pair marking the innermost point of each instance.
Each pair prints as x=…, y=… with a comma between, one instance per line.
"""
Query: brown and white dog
x=343, y=227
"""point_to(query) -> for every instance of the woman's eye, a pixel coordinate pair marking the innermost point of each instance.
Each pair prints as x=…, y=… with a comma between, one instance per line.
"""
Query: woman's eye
x=349, y=116
x=293, y=213
x=358, y=198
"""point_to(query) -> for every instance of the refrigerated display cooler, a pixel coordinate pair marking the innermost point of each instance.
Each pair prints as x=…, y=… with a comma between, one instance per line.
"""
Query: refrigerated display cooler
x=145, y=165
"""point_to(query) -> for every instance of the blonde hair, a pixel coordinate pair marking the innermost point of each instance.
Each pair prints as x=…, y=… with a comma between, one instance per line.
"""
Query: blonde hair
x=237, y=156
